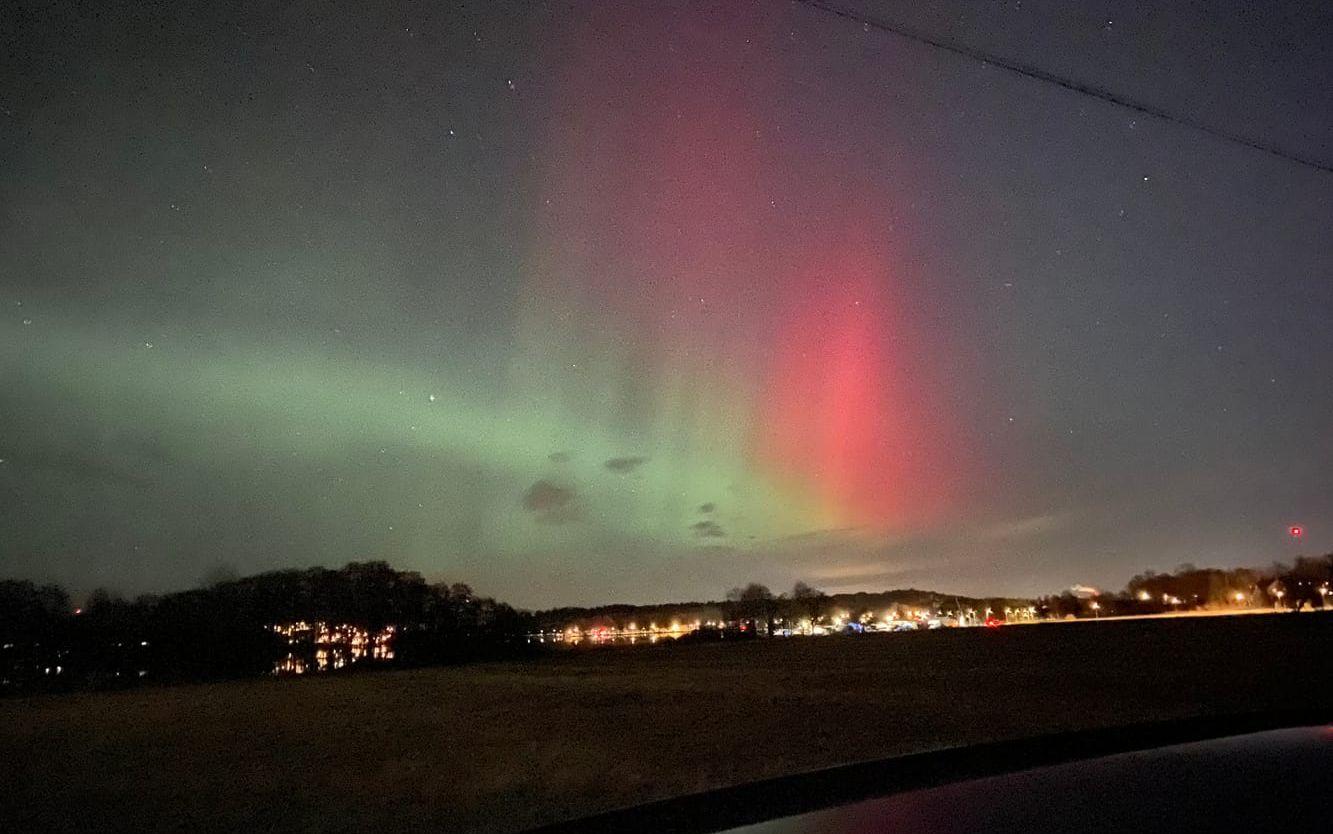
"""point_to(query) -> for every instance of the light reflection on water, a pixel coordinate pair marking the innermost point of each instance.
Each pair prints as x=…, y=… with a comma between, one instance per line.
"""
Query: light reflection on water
x=326, y=647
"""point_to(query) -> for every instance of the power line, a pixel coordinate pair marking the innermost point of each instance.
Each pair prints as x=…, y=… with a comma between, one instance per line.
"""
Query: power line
x=1067, y=83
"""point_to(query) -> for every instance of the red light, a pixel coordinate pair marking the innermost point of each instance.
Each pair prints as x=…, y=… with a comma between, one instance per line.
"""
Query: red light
x=1296, y=531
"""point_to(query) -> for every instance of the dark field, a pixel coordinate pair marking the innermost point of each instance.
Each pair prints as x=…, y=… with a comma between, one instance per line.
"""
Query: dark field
x=504, y=747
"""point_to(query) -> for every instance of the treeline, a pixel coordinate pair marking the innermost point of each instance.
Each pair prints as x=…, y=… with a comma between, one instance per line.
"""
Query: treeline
x=1303, y=584
x=760, y=609
x=622, y=615
x=225, y=630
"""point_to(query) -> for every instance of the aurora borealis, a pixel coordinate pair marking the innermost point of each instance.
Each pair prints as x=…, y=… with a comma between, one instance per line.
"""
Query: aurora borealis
x=580, y=304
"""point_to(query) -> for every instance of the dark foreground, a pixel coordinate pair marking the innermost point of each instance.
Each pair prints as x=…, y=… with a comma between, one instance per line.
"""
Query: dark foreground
x=504, y=747
x=1278, y=780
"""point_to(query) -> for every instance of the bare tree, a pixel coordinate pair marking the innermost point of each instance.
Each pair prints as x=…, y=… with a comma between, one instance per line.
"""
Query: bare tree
x=753, y=603
x=810, y=601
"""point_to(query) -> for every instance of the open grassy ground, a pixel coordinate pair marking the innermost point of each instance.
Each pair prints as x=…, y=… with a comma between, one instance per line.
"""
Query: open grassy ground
x=503, y=747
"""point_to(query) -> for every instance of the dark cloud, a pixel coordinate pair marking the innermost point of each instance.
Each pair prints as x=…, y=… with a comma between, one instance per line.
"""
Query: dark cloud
x=544, y=495
x=551, y=503
x=559, y=457
x=708, y=529
x=625, y=465
x=707, y=508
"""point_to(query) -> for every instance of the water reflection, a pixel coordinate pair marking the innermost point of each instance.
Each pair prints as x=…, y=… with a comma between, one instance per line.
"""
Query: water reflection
x=326, y=647
x=614, y=635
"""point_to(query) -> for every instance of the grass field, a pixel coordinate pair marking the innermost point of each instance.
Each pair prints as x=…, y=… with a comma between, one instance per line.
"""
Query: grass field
x=507, y=746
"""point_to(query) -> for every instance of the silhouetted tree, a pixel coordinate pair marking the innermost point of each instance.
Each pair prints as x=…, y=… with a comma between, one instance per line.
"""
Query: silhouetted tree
x=226, y=628
x=810, y=601
x=30, y=612
x=753, y=603
x=1307, y=582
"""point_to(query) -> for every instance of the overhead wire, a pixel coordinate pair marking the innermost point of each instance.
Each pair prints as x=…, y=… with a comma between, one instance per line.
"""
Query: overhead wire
x=1082, y=88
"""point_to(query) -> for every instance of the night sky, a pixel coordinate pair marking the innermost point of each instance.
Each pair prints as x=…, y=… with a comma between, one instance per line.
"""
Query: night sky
x=588, y=302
